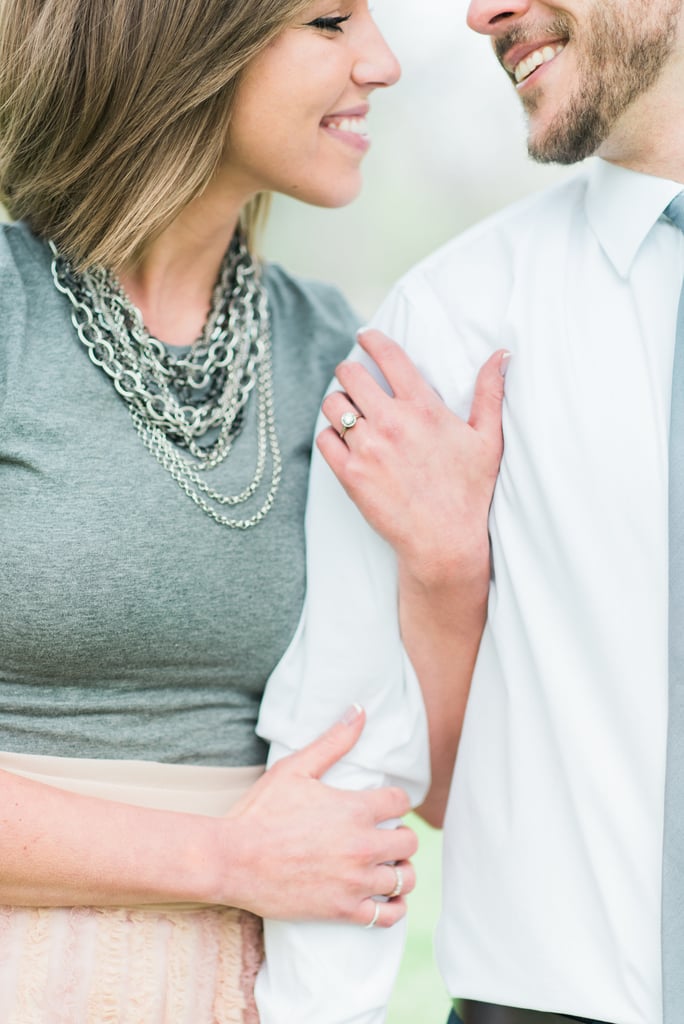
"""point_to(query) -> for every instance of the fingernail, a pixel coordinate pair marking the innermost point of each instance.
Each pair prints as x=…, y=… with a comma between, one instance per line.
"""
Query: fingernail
x=504, y=364
x=351, y=714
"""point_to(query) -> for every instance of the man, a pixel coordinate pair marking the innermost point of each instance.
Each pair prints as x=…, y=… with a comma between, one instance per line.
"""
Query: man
x=554, y=829
x=553, y=837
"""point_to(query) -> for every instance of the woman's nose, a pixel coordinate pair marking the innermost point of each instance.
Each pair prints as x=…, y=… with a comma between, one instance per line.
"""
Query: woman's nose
x=376, y=64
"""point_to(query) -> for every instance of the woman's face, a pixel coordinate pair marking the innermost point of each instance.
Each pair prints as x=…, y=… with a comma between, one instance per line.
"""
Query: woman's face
x=299, y=121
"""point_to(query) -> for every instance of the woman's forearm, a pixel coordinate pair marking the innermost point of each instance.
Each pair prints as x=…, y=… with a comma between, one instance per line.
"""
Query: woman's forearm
x=63, y=849
x=441, y=623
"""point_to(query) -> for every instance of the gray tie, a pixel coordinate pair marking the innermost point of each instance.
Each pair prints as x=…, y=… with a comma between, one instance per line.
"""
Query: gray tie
x=673, y=852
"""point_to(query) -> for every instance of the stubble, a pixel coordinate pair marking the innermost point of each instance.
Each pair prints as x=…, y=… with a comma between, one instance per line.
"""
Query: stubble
x=620, y=54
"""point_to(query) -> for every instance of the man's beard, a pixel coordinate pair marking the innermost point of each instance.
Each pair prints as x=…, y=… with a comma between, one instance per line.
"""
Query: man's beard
x=620, y=55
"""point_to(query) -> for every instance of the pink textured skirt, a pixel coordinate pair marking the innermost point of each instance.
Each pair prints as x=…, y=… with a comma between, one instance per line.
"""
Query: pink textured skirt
x=131, y=965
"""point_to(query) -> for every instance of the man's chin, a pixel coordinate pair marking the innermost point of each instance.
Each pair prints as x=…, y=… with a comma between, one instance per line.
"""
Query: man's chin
x=551, y=154
x=565, y=144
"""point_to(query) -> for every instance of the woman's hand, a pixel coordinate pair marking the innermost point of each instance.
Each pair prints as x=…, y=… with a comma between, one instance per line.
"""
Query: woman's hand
x=421, y=476
x=299, y=849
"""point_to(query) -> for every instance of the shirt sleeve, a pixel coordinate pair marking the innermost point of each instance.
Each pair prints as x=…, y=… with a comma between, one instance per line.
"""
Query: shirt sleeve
x=347, y=649
x=347, y=646
x=329, y=973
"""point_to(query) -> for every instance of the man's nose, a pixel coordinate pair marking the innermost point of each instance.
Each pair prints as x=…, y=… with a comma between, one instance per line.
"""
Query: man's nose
x=490, y=17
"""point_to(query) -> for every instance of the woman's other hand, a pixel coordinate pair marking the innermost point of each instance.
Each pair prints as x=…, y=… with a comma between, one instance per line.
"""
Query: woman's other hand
x=295, y=848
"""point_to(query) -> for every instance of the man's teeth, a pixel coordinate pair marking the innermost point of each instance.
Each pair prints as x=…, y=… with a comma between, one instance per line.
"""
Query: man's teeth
x=357, y=125
x=535, y=60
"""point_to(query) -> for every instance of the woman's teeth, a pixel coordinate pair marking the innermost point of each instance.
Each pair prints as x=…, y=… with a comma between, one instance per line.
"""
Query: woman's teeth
x=535, y=60
x=356, y=125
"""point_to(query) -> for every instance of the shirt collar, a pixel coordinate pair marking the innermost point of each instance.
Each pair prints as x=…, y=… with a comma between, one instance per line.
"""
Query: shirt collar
x=622, y=206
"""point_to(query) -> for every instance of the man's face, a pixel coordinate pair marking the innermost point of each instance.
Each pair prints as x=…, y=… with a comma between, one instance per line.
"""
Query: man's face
x=579, y=65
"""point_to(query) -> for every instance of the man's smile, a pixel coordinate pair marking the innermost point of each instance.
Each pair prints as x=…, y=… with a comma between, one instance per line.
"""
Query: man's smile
x=528, y=65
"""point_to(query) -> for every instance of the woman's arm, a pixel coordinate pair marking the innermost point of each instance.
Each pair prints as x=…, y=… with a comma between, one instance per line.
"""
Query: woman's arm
x=424, y=479
x=291, y=848
x=441, y=625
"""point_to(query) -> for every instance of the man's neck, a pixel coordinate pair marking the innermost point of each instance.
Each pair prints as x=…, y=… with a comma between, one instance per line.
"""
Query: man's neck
x=649, y=137
x=661, y=155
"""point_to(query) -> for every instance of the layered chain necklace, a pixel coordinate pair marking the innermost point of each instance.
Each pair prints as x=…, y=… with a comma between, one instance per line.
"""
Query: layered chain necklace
x=187, y=410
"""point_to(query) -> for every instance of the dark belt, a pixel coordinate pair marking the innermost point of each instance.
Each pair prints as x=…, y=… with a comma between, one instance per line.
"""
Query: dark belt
x=488, y=1013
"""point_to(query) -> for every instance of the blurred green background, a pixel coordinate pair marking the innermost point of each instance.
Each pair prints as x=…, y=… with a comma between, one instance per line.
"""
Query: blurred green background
x=420, y=996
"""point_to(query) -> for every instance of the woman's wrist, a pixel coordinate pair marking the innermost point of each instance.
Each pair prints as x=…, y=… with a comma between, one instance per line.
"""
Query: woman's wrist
x=222, y=870
x=199, y=876
x=455, y=568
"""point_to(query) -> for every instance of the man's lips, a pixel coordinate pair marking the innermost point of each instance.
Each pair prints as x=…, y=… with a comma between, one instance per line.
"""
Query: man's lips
x=523, y=59
x=537, y=59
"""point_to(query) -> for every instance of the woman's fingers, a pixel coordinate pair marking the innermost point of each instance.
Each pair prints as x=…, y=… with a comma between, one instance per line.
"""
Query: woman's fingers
x=486, y=408
x=396, y=367
x=379, y=801
x=380, y=913
x=361, y=389
x=397, y=879
x=344, y=416
x=326, y=750
x=394, y=883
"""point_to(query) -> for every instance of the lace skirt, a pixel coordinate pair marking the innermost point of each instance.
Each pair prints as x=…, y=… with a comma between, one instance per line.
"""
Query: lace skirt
x=131, y=965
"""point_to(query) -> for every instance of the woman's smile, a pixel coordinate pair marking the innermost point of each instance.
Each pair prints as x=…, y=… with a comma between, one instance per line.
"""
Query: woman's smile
x=349, y=127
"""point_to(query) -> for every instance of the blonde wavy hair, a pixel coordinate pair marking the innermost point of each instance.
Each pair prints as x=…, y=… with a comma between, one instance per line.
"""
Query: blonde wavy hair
x=114, y=113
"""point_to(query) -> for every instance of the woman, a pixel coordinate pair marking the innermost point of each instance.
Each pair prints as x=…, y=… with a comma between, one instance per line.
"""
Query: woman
x=158, y=390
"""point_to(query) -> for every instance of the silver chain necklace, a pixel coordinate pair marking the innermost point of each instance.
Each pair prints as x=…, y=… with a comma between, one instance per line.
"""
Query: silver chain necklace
x=178, y=402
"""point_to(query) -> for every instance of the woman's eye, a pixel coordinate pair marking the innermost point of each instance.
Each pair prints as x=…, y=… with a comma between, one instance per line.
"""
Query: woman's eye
x=329, y=24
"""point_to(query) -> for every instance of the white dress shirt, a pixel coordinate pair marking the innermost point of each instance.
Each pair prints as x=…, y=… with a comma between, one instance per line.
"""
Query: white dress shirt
x=553, y=838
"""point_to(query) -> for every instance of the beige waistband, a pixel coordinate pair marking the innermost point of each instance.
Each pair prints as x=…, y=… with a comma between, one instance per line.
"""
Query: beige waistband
x=194, y=789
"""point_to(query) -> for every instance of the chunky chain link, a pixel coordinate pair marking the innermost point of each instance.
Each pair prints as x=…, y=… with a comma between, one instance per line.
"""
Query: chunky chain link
x=175, y=402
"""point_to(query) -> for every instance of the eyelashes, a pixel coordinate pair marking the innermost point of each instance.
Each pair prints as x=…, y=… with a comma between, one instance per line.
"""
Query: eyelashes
x=329, y=24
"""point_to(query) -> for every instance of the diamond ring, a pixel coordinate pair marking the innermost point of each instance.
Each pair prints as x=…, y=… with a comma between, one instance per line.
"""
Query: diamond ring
x=348, y=420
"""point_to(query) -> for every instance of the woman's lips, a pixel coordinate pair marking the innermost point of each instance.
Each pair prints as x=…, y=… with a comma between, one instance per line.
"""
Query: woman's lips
x=349, y=127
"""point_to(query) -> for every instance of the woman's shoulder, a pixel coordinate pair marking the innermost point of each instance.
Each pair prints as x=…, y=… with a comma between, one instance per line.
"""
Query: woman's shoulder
x=311, y=311
x=27, y=295
x=15, y=300
x=24, y=260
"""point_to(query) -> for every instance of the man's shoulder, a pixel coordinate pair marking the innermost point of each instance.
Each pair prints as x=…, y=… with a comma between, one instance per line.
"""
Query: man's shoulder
x=449, y=311
x=490, y=248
